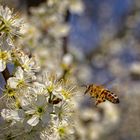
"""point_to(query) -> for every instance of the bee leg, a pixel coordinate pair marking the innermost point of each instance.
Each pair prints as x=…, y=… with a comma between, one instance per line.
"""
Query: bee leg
x=97, y=102
x=86, y=91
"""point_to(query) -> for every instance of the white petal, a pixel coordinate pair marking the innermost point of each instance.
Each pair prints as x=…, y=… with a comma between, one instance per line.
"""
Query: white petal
x=17, y=114
x=24, y=103
x=32, y=111
x=57, y=94
x=38, y=87
x=19, y=73
x=46, y=118
x=12, y=82
x=34, y=120
x=41, y=100
x=2, y=65
x=6, y=114
x=50, y=108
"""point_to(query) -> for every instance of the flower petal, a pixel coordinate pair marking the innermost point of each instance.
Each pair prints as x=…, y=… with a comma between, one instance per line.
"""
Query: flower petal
x=6, y=114
x=17, y=115
x=32, y=111
x=12, y=82
x=2, y=65
x=41, y=100
x=34, y=120
x=19, y=73
x=46, y=118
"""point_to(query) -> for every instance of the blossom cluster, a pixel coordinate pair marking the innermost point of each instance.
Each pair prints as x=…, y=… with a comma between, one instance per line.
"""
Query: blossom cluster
x=36, y=102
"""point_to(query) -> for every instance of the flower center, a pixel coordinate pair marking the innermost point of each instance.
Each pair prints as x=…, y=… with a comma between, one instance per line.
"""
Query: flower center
x=10, y=92
x=66, y=94
x=40, y=110
x=61, y=131
x=3, y=55
x=21, y=83
x=50, y=88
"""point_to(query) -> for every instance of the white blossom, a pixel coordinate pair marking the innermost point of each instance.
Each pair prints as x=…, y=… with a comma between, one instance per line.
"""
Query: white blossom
x=39, y=110
x=21, y=79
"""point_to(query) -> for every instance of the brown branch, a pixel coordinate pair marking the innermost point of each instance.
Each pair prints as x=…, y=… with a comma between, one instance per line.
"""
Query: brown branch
x=65, y=45
x=65, y=42
x=65, y=39
x=6, y=74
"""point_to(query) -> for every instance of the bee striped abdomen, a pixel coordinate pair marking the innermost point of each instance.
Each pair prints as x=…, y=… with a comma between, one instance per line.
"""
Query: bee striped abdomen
x=110, y=96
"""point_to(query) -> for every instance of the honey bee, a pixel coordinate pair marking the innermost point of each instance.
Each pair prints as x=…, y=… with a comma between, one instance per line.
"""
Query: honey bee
x=101, y=94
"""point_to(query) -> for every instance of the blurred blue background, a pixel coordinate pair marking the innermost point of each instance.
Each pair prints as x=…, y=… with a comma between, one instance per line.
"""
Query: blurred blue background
x=98, y=16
